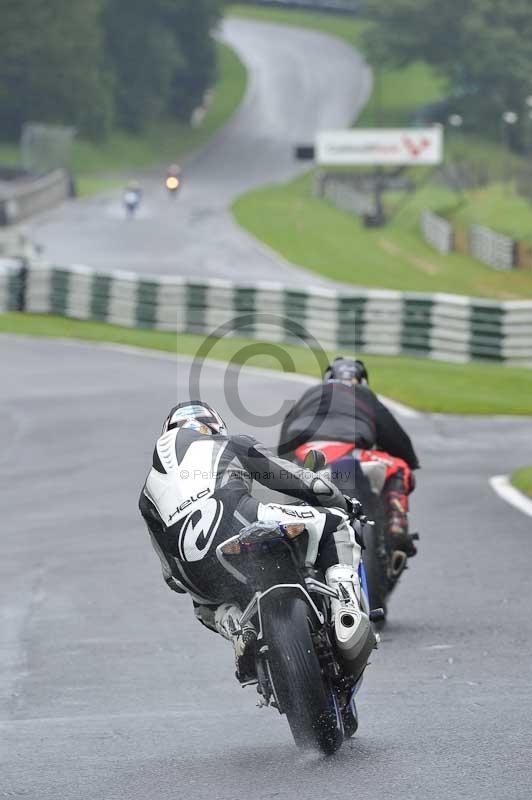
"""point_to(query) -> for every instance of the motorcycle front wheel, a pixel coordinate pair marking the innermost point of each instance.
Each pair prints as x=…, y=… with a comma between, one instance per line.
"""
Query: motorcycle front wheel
x=310, y=707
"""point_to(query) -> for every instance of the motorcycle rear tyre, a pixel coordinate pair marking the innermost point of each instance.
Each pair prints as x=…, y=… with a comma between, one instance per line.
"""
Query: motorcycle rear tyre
x=297, y=678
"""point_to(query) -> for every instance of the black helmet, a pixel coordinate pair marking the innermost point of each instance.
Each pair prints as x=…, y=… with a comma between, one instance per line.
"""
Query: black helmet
x=197, y=416
x=346, y=370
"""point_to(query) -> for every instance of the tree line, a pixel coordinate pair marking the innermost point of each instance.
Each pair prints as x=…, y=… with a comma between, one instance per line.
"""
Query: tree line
x=482, y=47
x=100, y=64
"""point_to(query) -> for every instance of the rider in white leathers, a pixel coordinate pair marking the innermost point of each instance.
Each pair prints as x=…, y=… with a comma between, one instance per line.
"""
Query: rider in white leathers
x=198, y=494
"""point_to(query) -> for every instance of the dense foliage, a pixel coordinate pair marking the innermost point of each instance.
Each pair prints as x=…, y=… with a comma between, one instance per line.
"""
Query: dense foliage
x=483, y=47
x=97, y=63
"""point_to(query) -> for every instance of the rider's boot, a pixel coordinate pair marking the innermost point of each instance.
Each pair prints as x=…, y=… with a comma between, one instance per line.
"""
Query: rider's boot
x=353, y=630
x=401, y=541
x=243, y=637
x=396, y=507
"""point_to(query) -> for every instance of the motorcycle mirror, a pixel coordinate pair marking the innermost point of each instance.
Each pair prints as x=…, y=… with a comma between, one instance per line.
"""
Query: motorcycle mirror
x=315, y=460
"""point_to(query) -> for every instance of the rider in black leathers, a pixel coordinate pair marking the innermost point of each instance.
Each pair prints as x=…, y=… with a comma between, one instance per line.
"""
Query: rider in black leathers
x=344, y=409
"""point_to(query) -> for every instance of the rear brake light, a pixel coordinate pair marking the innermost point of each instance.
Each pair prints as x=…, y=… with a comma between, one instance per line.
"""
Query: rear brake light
x=231, y=547
x=293, y=530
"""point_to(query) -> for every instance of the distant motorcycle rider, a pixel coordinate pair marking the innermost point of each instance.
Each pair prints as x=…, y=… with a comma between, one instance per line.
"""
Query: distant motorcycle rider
x=173, y=178
x=132, y=197
x=344, y=418
x=198, y=494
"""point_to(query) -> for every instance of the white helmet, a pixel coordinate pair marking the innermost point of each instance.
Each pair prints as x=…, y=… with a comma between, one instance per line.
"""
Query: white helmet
x=197, y=416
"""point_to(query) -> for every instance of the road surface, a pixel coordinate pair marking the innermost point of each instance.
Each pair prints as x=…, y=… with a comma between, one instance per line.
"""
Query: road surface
x=112, y=691
x=300, y=81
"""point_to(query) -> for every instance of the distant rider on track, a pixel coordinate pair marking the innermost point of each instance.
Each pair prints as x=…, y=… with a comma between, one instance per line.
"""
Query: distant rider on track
x=132, y=197
x=173, y=179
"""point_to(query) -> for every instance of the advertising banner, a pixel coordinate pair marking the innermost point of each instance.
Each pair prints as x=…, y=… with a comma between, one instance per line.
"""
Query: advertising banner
x=380, y=146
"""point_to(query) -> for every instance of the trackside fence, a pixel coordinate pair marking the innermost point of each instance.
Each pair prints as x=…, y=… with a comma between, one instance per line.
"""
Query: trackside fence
x=26, y=197
x=437, y=231
x=437, y=326
x=491, y=248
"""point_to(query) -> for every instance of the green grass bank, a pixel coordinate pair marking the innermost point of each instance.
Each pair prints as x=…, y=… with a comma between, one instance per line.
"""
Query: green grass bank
x=426, y=385
x=522, y=480
x=313, y=233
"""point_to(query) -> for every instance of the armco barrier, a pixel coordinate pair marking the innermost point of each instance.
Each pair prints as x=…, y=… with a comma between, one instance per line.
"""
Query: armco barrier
x=23, y=199
x=491, y=248
x=343, y=193
x=439, y=326
x=437, y=231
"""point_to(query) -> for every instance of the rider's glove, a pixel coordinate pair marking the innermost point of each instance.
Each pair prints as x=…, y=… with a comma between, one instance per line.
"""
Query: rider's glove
x=327, y=495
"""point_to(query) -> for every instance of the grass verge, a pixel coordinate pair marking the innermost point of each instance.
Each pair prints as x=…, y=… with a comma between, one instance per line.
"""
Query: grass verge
x=426, y=385
x=522, y=480
x=313, y=233
x=101, y=166
x=497, y=205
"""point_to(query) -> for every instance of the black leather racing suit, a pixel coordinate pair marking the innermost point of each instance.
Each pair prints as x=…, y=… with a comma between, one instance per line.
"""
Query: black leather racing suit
x=336, y=412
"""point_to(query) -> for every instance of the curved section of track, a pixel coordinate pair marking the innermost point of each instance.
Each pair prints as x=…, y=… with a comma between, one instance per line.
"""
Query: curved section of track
x=111, y=688
x=300, y=81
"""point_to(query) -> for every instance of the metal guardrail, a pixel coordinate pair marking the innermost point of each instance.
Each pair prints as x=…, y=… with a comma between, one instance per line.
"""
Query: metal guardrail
x=491, y=248
x=22, y=199
x=436, y=326
x=437, y=231
x=344, y=193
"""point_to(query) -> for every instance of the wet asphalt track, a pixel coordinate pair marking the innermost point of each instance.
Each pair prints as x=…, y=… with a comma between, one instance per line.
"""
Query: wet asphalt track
x=300, y=81
x=112, y=691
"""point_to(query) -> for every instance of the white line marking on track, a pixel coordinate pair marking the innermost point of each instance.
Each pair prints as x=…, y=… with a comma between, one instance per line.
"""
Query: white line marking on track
x=211, y=362
x=399, y=408
x=161, y=355
x=501, y=485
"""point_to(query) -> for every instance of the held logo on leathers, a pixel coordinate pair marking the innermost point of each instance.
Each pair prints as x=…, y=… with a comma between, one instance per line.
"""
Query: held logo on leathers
x=293, y=512
x=189, y=502
x=199, y=530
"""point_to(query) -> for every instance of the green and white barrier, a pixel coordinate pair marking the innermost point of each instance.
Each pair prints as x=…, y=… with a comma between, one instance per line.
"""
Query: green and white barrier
x=438, y=326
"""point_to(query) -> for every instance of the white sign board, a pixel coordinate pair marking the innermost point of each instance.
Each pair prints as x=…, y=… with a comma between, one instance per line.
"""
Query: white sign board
x=380, y=146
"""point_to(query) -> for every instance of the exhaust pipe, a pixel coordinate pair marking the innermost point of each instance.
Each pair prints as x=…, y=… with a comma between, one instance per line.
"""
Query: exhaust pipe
x=347, y=620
